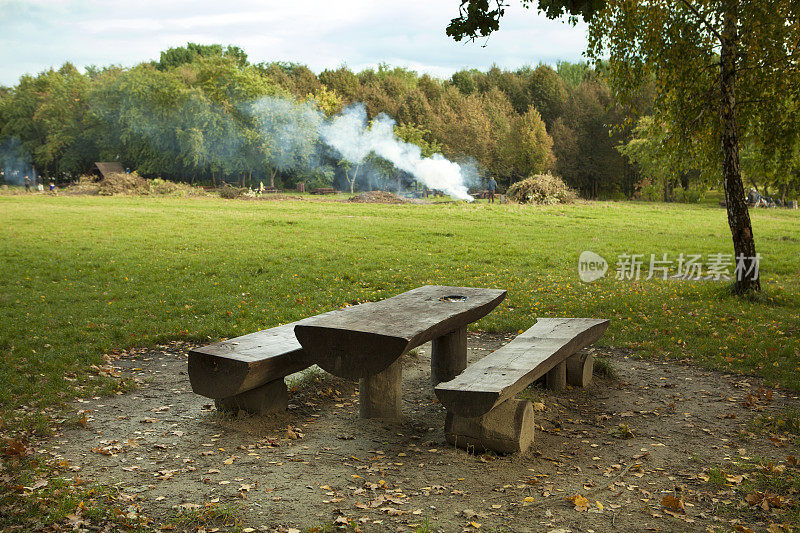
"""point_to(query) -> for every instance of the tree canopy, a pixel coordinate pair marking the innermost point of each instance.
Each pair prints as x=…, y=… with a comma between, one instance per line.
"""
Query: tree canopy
x=725, y=74
x=204, y=113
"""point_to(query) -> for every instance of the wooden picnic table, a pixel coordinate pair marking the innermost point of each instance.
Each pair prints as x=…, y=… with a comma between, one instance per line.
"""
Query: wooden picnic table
x=367, y=341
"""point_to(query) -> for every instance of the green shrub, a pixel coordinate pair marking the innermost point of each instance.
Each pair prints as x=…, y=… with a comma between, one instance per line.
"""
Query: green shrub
x=650, y=190
x=688, y=196
x=543, y=189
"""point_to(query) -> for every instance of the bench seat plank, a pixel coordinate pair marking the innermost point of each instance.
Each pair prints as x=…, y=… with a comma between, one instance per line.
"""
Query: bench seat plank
x=363, y=340
x=233, y=366
x=502, y=374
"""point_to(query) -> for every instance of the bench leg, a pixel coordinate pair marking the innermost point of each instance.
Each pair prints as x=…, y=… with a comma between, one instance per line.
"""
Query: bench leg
x=449, y=356
x=269, y=398
x=580, y=368
x=380, y=395
x=508, y=428
x=556, y=379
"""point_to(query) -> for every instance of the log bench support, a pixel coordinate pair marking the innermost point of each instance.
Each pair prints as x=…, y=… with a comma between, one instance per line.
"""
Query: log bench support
x=448, y=356
x=272, y=397
x=380, y=395
x=508, y=428
x=556, y=379
x=580, y=368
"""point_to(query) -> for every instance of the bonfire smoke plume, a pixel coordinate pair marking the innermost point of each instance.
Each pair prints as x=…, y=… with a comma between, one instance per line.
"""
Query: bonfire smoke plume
x=350, y=135
x=296, y=135
x=15, y=163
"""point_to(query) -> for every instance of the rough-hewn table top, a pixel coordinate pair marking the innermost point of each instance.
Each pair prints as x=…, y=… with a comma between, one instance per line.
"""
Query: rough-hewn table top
x=364, y=339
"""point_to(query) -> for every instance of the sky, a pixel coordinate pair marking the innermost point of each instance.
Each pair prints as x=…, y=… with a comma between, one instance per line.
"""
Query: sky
x=38, y=34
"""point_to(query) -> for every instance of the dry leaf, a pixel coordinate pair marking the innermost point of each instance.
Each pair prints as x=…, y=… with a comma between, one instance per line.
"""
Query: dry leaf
x=14, y=448
x=581, y=503
x=38, y=485
x=672, y=503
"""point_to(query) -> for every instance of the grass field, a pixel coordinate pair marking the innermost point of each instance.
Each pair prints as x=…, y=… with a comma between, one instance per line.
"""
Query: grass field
x=82, y=276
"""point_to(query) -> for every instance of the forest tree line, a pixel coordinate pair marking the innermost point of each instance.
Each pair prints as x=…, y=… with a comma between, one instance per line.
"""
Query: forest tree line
x=197, y=115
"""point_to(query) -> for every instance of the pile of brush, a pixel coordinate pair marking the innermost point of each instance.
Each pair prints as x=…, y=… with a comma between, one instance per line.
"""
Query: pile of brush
x=377, y=197
x=542, y=189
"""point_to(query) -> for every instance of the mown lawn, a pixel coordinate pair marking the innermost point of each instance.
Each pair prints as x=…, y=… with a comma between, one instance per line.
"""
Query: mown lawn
x=82, y=276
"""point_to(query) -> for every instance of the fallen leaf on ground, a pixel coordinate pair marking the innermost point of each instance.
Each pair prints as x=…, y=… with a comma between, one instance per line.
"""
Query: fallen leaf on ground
x=672, y=503
x=581, y=503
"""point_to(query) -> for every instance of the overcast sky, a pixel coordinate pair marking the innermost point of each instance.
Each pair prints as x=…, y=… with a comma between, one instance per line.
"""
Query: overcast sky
x=38, y=34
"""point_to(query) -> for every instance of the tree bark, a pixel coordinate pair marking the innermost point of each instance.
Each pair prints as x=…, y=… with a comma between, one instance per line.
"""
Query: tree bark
x=738, y=216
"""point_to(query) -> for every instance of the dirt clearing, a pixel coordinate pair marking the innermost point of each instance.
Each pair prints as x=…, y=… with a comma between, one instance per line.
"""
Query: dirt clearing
x=619, y=450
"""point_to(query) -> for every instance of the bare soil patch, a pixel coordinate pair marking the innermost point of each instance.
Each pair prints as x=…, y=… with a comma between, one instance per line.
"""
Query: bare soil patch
x=624, y=444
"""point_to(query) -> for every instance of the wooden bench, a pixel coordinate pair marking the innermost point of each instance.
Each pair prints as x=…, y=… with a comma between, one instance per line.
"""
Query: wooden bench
x=482, y=412
x=324, y=190
x=247, y=372
x=367, y=341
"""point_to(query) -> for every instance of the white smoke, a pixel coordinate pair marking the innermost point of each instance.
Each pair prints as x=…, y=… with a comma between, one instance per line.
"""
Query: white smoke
x=354, y=139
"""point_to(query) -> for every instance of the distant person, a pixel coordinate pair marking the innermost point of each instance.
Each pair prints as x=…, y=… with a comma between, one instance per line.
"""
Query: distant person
x=491, y=188
x=27, y=184
x=40, y=187
x=753, y=197
x=52, y=186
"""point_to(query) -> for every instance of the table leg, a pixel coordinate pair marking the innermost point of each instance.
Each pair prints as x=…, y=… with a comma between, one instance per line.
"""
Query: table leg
x=380, y=395
x=449, y=356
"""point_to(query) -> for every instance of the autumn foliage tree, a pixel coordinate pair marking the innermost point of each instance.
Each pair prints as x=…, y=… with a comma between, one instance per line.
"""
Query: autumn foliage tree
x=719, y=65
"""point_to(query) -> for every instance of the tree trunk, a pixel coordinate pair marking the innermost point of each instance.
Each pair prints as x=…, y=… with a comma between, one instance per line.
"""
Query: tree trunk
x=738, y=216
x=355, y=175
x=272, y=178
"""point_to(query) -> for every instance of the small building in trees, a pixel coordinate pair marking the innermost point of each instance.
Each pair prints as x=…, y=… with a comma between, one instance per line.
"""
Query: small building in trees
x=103, y=170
